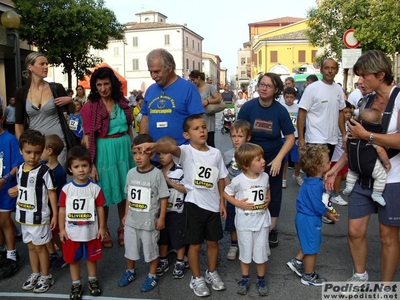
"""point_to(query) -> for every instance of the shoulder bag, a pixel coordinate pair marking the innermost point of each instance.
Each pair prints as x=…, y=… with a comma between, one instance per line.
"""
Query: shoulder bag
x=212, y=109
x=71, y=140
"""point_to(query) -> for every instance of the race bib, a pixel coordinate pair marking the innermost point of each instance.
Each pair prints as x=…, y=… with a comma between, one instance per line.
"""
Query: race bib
x=73, y=124
x=139, y=198
x=175, y=200
x=256, y=196
x=205, y=177
x=27, y=199
x=293, y=117
x=80, y=209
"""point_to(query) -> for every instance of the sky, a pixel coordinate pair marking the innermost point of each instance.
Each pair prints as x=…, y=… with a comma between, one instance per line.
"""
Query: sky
x=222, y=23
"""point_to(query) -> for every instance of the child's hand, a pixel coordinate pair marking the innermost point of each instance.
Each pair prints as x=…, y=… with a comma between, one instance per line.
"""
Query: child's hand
x=123, y=220
x=13, y=192
x=222, y=211
x=53, y=222
x=243, y=204
x=267, y=201
x=333, y=217
x=160, y=225
x=387, y=166
x=63, y=236
x=329, y=180
x=146, y=147
x=102, y=233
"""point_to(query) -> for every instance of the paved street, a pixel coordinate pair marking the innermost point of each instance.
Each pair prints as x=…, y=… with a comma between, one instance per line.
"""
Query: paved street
x=333, y=262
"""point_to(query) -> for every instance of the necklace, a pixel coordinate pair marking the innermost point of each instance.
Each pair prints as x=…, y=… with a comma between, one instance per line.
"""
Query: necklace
x=40, y=100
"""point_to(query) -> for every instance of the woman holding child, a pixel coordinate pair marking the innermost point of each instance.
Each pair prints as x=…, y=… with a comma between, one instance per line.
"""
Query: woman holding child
x=107, y=124
x=374, y=69
x=268, y=118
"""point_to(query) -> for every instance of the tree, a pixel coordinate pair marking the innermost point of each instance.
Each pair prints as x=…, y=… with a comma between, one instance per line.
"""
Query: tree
x=376, y=24
x=65, y=30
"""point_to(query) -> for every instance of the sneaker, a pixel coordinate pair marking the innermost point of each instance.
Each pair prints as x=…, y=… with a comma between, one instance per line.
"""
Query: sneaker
x=30, y=283
x=356, y=280
x=162, y=268
x=298, y=179
x=273, y=238
x=199, y=287
x=76, y=292
x=179, y=271
x=186, y=262
x=284, y=183
x=148, y=284
x=232, y=253
x=8, y=268
x=126, y=278
x=43, y=284
x=262, y=287
x=216, y=283
x=338, y=200
x=295, y=267
x=327, y=221
x=315, y=280
x=243, y=286
x=59, y=264
x=94, y=287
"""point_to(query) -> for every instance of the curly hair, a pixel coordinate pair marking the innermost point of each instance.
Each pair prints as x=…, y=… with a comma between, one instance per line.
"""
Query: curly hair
x=104, y=73
x=312, y=158
x=32, y=137
x=245, y=154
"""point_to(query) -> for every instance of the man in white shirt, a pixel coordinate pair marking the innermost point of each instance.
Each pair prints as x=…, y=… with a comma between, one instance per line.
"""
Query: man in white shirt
x=356, y=95
x=321, y=109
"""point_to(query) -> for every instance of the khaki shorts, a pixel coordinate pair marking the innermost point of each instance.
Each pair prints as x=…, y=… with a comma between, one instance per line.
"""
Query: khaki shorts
x=147, y=238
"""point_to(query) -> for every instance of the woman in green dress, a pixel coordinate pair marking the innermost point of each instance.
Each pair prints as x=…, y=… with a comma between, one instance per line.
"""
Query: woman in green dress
x=107, y=124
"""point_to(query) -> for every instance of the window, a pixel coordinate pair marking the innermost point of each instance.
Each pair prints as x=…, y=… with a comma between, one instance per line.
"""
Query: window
x=187, y=64
x=313, y=55
x=187, y=42
x=302, y=56
x=242, y=61
x=135, y=42
x=116, y=51
x=193, y=44
x=166, y=39
x=135, y=64
x=198, y=66
x=274, y=56
x=193, y=65
x=198, y=47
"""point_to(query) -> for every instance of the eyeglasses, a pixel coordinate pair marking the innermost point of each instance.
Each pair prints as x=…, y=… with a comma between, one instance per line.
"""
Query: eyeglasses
x=268, y=86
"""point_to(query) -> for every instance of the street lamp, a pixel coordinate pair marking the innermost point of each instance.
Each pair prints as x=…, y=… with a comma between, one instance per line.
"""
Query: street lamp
x=11, y=21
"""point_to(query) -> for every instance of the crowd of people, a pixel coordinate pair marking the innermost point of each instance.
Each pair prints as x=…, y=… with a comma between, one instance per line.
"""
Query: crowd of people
x=154, y=157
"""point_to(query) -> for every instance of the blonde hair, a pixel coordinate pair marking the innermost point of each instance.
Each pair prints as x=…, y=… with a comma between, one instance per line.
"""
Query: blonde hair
x=54, y=142
x=241, y=125
x=312, y=158
x=245, y=154
x=30, y=60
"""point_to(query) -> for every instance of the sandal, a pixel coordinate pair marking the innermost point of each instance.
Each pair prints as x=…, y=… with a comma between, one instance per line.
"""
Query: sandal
x=107, y=241
x=120, y=233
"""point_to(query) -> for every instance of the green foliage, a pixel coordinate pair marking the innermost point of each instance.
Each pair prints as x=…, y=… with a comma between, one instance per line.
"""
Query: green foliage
x=376, y=24
x=66, y=29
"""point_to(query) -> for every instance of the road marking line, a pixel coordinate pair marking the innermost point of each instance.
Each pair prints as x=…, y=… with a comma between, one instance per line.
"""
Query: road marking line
x=60, y=296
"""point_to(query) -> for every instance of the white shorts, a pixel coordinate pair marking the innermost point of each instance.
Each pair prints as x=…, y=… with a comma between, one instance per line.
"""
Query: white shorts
x=37, y=235
x=133, y=238
x=253, y=245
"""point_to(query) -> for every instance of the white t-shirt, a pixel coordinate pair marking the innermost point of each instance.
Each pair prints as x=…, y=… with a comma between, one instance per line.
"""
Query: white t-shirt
x=293, y=111
x=322, y=102
x=202, y=171
x=354, y=97
x=394, y=175
x=254, y=189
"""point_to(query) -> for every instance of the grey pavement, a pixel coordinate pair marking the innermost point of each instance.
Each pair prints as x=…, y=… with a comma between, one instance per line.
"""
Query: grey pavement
x=333, y=262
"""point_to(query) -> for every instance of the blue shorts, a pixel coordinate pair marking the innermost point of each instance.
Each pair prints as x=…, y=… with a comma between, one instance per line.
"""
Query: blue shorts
x=293, y=153
x=309, y=233
x=360, y=204
x=230, y=217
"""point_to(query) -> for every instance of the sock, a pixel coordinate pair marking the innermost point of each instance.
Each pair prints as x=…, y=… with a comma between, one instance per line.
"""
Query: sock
x=334, y=195
x=310, y=275
x=36, y=274
x=300, y=262
x=46, y=276
x=234, y=243
x=247, y=277
x=92, y=278
x=260, y=277
x=152, y=275
x=164, y=259
x=209, y=271
x=75, y=282
x=132, y=270
x=362, y=276
x=12, y=254
x=180, y=261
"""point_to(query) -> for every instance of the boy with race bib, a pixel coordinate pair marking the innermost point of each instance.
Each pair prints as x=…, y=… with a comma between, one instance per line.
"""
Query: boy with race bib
x=146, y=207
x=172, y=234
x=36, y=193
x=249, y=193
x=81, y=221
x=204, y=171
